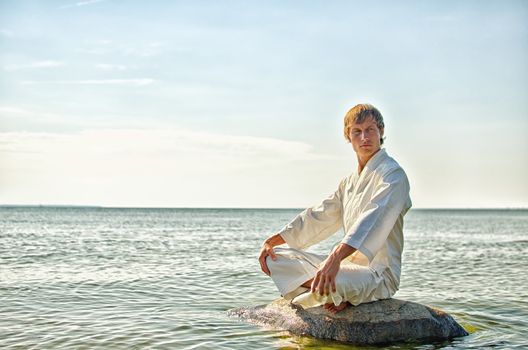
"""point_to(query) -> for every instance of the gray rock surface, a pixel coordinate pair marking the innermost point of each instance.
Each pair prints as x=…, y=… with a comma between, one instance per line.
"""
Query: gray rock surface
x=384, y=321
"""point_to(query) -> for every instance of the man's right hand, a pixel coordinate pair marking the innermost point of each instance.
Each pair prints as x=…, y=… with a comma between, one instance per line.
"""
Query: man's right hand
x=267, y=250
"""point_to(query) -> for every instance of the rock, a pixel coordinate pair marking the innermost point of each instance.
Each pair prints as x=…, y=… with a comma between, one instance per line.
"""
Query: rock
x=383, y=321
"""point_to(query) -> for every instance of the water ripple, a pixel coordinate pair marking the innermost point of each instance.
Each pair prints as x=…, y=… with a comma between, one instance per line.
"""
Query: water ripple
x=164, y=278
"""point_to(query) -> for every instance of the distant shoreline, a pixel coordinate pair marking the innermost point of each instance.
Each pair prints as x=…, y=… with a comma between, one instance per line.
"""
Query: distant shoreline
x=72, y=206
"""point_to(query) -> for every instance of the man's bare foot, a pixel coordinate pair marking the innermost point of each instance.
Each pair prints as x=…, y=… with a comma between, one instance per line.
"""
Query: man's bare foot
x=335, y=309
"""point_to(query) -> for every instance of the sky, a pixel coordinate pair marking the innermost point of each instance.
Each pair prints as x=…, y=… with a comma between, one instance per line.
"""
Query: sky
x=241, y=103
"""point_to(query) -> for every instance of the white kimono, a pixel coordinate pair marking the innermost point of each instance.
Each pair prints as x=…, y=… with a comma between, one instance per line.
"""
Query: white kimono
x=369, y=207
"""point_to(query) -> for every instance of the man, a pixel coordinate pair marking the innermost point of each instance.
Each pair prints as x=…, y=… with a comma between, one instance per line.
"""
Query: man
x=369, y=205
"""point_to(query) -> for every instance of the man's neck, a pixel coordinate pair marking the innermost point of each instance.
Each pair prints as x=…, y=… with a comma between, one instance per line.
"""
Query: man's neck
x=362, y=161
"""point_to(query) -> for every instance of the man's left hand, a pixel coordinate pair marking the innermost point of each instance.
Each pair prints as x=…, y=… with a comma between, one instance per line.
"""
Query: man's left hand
x=324, y=280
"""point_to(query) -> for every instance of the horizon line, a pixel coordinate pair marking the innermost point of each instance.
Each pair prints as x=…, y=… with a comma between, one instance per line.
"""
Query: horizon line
x=229, y=208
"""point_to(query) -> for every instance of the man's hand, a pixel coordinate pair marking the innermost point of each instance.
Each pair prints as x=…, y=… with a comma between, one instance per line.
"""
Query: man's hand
x=267, y=250
x=324, y=280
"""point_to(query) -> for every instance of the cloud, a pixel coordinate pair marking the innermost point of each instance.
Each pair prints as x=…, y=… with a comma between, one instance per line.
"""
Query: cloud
x=34, y=65
x=95, y=50
x=153, y=167
x=124, y=82
x=12, y=110
x=16, y=114
x=112, y=67
x=148, y=50
x=33, y=118
x=148, y=143
x=103, y=47
x=82, y=3
x=13, y=118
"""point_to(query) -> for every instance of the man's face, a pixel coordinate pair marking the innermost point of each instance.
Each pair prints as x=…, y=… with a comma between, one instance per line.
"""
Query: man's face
x=365, y=137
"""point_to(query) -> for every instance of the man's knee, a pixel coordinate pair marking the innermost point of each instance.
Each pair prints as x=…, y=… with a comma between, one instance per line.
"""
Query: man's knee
x=279, y=264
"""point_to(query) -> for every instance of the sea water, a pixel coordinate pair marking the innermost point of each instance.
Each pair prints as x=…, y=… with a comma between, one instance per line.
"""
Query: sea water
x=164, y=278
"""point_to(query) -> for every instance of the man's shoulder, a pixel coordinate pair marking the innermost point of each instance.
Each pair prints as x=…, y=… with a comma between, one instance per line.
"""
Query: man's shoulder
x=388, y=165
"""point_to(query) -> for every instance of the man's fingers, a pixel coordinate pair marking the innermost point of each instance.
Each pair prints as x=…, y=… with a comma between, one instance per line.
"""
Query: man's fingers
x=327, y=285
x=266, y=251
x=315, y=283
x=330, y=285
x=322, y=285
x=265, y=268
x=320, y=288
x=263, y=265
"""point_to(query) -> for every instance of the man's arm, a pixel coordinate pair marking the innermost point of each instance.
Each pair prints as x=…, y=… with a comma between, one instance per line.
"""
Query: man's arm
x=267, y=250
x=308, y=228
x=324, y=279
x=316, y=223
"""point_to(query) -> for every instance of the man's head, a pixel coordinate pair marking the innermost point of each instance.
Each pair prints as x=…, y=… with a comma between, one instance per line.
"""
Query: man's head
x=364, y=129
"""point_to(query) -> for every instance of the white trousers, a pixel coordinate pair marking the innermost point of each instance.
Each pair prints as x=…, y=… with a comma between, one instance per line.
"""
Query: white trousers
x=356, y=284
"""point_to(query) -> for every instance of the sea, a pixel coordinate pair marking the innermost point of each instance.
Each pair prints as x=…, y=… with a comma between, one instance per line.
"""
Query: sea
x=131, y=278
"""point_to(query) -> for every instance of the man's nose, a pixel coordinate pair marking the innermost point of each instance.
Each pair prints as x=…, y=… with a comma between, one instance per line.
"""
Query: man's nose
x=364, y=135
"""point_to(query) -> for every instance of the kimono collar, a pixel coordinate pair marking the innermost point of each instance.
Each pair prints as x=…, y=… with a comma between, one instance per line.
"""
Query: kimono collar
x=376, y=160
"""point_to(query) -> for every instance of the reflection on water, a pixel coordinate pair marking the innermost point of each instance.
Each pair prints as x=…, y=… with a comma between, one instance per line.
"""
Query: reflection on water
x=164, y=278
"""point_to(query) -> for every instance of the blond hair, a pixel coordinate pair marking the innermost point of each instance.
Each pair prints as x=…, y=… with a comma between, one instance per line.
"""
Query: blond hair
x=358, y=114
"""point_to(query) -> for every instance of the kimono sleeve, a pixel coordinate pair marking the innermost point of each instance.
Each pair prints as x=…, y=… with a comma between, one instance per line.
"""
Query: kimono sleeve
x=315, y=224
x=390, y=198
